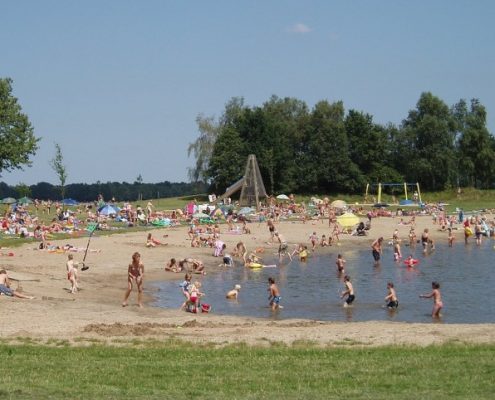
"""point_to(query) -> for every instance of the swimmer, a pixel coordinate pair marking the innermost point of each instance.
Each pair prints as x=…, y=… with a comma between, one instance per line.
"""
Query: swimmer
x=376, y=248
x=303, y=254
x=450, y=238
x=437, y=299
x=234, y=293
x=349, y=291
x=340, y=264
x=397, y=252
x=410, y=261
x=391, y=298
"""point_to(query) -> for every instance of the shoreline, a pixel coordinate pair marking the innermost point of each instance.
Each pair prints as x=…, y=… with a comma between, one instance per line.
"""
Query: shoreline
x=95, y=313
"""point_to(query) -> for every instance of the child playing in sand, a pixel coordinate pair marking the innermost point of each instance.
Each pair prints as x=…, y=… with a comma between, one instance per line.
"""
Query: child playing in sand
x=172, y=266
x=349, y=291
x=5, y=287
x=437, y=299
x=151, y=241
x=391, y=298
x=323, y=241
x=340, y=264
x=234, y=293
x=274, y=296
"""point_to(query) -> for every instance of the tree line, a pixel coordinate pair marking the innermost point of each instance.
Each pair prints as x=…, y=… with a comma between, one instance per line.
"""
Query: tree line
x=326, y=150
x=121, y=191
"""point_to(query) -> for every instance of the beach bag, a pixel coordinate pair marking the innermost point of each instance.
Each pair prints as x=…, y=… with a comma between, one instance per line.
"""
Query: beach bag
x=205, y=308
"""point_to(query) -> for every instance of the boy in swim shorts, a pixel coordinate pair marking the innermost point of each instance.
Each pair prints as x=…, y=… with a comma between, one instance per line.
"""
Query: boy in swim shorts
x=349, y=292
x=274, y=296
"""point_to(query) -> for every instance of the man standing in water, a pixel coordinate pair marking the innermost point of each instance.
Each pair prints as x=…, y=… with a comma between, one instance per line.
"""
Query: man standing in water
x=376, y=248
x=349, y=291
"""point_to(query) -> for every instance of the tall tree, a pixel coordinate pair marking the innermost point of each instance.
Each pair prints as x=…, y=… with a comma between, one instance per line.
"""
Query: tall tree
x=370, y=148
x=427, y=141
x=476, y=146
x=17, y=140
x=57, y=164
x=202, y=147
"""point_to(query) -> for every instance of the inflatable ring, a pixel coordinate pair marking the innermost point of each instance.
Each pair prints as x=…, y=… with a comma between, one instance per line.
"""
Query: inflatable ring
x=408, y=262
x=468, y=231
x=255, y=265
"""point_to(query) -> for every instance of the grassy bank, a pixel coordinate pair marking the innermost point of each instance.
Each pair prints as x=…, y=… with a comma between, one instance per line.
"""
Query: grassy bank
x=181, y=371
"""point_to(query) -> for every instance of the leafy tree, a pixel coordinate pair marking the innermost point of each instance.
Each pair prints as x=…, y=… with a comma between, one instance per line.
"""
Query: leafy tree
x=202, y=147
x=17, y=140
x=57, y=164
x=23, y=190
x=226, y=167
x=476, y=146
x=427, y=143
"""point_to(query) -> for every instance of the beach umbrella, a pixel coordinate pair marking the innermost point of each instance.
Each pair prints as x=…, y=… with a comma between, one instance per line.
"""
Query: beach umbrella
x=246, y=210
x=108, y=209
x=70, y=202
x=9, y=200
x=283, y=197
x=25, y=200
x=347, y=220
x=338, y=204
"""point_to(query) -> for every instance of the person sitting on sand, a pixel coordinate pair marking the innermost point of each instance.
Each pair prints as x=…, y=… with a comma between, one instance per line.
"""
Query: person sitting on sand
x=152, y=242
x=173, y=266
x=5, y=287
x=234, y=293
x=197, y=266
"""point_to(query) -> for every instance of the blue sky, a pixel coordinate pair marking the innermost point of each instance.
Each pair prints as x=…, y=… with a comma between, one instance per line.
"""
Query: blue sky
x=119, y=84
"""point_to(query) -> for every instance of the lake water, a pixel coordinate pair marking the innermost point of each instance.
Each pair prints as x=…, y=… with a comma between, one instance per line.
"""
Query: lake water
x=311, y=290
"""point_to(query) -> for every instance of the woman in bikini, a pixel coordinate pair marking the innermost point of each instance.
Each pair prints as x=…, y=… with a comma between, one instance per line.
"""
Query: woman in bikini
x=135, y=273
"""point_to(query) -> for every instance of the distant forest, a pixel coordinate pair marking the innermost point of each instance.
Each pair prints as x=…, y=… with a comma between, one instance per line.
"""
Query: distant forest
x=89, y=192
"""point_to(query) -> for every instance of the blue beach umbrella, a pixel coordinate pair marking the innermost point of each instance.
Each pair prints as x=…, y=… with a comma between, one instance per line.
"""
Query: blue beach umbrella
x=108, y=209
x=70, y=202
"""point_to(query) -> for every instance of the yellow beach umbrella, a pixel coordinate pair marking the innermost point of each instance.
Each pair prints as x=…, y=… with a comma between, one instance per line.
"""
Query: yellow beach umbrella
x=347, y=220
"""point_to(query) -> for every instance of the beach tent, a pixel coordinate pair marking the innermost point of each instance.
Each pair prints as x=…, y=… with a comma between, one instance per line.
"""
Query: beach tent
x=9, y=200
x=70, y=202
x=24, y=200
x=282, y=197
x=246, y=210
x=338, y=204
x=108, y=209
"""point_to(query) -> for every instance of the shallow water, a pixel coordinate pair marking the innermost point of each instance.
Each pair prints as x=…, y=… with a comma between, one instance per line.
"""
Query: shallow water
x=311, y=290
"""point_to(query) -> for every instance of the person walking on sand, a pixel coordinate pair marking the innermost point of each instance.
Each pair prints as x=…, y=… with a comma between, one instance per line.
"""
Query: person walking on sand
x=349, y=292
x=376, y=249
x=72, y=273
x=5, y=287
x=135, y=274
x=437, y=299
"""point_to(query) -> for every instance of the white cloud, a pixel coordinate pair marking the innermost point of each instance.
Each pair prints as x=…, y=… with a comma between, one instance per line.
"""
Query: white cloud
x=300, y=28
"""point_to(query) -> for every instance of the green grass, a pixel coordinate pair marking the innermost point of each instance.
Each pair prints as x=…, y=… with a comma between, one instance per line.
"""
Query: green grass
x=183, y=371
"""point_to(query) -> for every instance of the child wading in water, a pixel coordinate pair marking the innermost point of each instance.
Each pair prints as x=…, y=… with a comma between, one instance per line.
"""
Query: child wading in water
x=391, y=298
x=349, y=291
x=274, y=296
x=340, y=264
x=437, y=299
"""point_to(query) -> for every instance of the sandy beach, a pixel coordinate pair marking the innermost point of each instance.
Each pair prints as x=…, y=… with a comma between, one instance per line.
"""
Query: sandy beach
x=95, y=313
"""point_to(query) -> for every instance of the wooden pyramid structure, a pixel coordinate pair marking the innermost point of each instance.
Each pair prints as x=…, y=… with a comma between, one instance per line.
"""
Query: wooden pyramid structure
x=251, y=185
